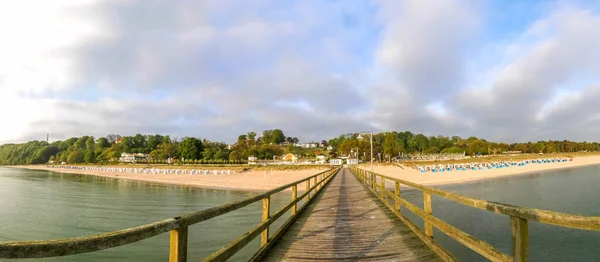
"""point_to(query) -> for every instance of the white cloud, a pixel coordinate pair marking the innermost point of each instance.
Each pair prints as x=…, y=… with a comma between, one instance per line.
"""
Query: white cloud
x=215, y=69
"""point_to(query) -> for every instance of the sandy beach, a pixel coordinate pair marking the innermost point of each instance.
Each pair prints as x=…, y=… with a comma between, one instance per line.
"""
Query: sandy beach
x=454, y=177
x=248, y=181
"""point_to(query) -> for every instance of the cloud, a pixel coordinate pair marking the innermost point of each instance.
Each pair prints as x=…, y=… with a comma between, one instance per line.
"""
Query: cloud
x=316, y=69
x=526, y=87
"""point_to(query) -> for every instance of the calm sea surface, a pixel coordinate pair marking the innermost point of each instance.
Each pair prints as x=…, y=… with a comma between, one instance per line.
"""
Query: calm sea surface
x=575, y=191
x=36, y=205
x=42, y=205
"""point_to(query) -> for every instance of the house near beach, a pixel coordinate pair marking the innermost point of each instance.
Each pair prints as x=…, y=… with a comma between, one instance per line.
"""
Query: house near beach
x=321, y=159
x=133, y=157
x=336, y=162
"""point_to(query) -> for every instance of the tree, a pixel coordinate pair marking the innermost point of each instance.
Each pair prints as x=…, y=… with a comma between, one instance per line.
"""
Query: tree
x=251, y=135
x=191, y=148
x=102, y=143
x=75, y=157
x=277, y=137
x=164, y=150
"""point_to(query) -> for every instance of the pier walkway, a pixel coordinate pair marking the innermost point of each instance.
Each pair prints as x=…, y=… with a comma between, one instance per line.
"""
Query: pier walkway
x=346, y=222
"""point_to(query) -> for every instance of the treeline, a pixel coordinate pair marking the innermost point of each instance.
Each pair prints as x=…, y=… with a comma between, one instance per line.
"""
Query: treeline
x=270, y=144
x=391, y=144
x=87, y=149
x=159, y=148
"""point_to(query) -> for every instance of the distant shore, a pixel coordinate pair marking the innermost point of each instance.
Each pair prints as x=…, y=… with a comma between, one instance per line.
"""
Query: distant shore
x=267, y=179
x=468, y=176
x=247, y=181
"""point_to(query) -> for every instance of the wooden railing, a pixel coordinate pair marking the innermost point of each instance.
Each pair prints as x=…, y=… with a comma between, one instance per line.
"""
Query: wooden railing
x=519, y=217
x=178, y=227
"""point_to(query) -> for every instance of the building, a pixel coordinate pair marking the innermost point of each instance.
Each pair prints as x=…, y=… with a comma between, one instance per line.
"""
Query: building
x=307, y=145
x=352, y=161
x=133, y=158
x=252, y=160
x=321, y=159
x=336, y=162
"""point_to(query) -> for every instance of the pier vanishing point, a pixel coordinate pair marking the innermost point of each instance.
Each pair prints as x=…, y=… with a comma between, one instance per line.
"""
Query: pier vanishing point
x=342, y=214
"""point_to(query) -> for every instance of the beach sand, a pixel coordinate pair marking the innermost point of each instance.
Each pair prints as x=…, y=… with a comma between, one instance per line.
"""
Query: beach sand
x=248, y=181
x=454, y=177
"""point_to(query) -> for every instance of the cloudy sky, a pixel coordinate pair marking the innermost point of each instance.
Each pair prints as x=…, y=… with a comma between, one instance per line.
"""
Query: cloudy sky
x=501, y=70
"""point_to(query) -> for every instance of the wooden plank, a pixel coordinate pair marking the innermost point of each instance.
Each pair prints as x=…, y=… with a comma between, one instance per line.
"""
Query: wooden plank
x=429, y=210
x=520, y=238
x=481, y=247
x=345, y=222
x=71, y=246
x=266, y=206
x=178, y=245
x=294, y=197
x=397, y=205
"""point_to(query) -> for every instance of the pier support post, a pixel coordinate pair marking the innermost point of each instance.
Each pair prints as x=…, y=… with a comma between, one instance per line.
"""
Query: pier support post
x=520, y=238
x=294, y=197
x=266, y=204
x=178, y=245
x=429, y=210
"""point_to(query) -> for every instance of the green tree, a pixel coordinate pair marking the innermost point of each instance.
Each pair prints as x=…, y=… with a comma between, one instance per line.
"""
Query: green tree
x=277, y=137
x=191, y=148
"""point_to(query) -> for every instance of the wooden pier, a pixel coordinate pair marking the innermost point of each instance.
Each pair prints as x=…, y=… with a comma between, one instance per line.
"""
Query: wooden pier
x=346, y=222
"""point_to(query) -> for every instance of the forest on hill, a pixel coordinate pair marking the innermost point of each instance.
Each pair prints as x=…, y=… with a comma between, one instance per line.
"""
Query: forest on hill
x=88, y=149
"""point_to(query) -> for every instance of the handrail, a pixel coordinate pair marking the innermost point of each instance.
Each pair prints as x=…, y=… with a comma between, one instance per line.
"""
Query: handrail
x=179, y=228
x=519, y=217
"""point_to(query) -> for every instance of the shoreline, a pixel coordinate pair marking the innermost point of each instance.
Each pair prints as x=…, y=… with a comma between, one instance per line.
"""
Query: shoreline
x=257, y=181
x=473, y=176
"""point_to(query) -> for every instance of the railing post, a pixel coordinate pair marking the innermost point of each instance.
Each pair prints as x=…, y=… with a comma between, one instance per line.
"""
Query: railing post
x=307, y=188
x=520, y=238
x=428, y=209
x=383, y=192
x=265, y=216
x=373, y=180
x=397, y=193
x=294, y=197
x=178, y=245
x=315, y=185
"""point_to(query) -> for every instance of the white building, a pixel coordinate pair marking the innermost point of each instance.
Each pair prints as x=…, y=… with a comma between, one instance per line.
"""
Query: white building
x=307, y=145
x=133, y=158
x=321, y=159
x=352, y=161
x=336, y=162
x=252, y=160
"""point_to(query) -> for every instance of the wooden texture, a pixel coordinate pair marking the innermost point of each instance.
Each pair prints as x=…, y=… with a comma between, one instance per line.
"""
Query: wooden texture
x=178, y=245
x=266, y=206
x=345, y=222
x=520, y=238
x=429, y=210
x=294, y=197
